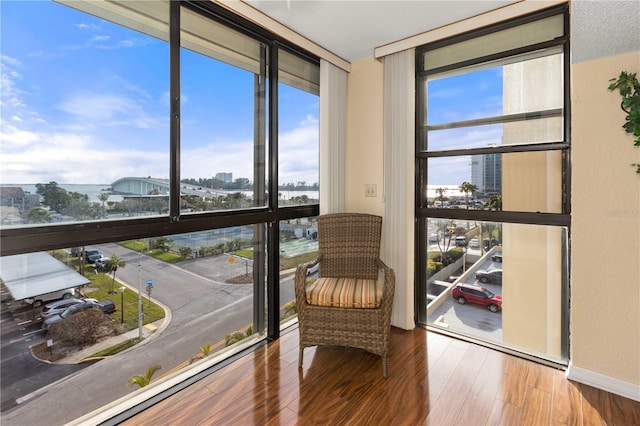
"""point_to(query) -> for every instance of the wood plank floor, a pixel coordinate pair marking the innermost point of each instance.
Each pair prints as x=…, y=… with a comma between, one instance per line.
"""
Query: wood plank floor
x=433, y=380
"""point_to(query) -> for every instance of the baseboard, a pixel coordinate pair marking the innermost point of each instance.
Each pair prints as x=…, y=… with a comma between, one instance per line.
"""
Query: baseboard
x=604, y=382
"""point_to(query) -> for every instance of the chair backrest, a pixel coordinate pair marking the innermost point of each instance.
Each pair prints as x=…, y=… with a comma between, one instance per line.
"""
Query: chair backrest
x=349, y=244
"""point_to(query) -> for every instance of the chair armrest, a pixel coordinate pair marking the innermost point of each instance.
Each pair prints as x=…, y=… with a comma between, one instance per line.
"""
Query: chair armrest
x=309, y=264
x=301, y=278
x=389, y=288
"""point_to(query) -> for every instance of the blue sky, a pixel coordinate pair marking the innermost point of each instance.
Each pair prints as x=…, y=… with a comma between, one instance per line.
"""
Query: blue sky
x=87, y=101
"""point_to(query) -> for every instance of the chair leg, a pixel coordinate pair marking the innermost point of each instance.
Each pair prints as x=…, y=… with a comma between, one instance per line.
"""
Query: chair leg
x=300, y=357
x=385, y=367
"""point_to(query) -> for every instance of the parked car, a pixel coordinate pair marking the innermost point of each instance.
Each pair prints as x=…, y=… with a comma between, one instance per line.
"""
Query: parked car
x=101, y=264
x=461, y=241
x=433, y=238
x=60, y=306
x=313, y=269
x=488, y=243
x=497, y=258
x=474, y=243
x=492, y=276
x=107, y=306
x=90, y=256
x=466, y=293
x=38, y=301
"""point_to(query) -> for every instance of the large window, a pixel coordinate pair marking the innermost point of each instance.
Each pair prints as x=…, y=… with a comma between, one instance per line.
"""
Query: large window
x=161, y=155
x=493, y=204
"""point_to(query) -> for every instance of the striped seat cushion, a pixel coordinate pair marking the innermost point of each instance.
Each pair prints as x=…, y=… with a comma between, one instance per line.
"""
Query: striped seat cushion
x=345, y=293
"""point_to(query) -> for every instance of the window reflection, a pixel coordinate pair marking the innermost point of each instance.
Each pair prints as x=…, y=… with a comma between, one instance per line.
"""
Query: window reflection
x=534, y=182
x=298, y=244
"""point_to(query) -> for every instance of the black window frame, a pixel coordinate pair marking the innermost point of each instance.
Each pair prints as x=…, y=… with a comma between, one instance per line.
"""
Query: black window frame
x=423, y=211
x=19, y=240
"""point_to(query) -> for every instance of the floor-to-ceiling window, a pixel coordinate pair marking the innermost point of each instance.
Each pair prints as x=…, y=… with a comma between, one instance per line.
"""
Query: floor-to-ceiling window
x=493, y=202
x=165, y=154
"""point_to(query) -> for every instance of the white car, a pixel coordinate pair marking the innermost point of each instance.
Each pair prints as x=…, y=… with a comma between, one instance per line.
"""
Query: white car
x=474, y=243
x=313, y=269
x=38, y=301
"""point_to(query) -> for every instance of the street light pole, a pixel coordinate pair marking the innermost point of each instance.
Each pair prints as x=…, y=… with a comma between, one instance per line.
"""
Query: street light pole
x=139, y=299
x=122, y=305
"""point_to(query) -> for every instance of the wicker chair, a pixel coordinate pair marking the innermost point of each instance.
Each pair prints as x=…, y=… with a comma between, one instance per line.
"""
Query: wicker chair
x=350, y=302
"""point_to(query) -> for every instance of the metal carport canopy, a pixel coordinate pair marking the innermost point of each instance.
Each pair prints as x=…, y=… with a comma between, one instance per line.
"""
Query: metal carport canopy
x=33, y=274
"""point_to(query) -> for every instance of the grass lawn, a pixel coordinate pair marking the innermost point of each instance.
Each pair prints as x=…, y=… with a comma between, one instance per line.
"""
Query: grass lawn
x=99, y=287
x=141, y=246
x=294, y=261
x=285, y=262
x=117, y=348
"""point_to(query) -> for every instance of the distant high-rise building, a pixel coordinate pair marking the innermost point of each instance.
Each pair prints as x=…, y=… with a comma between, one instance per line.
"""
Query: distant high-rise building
x=486, y=173
x=226, y=177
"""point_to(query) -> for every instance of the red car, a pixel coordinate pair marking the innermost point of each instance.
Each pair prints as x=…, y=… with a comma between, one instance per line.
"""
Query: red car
x=464, y=293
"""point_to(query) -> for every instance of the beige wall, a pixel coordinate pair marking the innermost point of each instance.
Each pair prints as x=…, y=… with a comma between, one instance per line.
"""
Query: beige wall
x=364, y=159
x=605, y=241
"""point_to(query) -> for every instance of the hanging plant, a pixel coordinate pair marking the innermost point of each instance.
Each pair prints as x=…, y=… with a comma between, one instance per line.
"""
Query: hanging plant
x=629, y=87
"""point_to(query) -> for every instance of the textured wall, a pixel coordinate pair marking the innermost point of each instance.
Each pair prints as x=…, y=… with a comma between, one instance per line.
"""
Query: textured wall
x=605, y=241
x=604, y=28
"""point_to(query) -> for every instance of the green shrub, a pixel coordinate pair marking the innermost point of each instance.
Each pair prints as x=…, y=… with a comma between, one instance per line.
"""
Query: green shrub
x=185, y=252
x=84, y=328
x=455, y=253
x=433, y=267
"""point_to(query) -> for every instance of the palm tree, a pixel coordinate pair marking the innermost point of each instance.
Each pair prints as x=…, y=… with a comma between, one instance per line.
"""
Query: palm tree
x=113, y=264
x=143, y=381
x=467, y=188
x=441, y=191
x=495, y=202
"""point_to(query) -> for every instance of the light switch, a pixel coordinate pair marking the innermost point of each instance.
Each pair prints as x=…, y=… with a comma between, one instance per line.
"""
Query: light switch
x=370, y=190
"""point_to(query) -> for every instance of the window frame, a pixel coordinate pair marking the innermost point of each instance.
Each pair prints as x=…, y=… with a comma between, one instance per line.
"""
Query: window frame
x=424, y=212
x=19, y=240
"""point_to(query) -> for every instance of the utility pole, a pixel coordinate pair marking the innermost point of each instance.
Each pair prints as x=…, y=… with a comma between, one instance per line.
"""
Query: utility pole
x=139, y=298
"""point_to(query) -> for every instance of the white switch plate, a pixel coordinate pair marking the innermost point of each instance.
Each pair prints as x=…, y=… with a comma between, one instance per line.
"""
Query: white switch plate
x=370, y=190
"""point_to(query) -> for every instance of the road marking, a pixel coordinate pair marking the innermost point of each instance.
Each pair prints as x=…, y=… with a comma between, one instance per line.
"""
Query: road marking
x=24, y=322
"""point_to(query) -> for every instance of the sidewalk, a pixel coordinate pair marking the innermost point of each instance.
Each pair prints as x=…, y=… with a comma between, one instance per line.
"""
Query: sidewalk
x=84, y=354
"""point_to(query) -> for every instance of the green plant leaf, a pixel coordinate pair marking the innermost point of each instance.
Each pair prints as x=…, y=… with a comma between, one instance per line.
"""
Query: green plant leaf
x=629, y=88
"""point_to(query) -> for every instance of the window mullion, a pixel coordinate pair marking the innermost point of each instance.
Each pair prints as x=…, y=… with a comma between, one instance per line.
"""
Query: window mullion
x=509, y=118
x=174, y=123
x=501, y=149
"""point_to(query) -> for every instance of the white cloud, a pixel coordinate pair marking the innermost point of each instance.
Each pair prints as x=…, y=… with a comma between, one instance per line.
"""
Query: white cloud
x=10, y=94
x=14, y=138
x=447, y=93
x=83, y=26
x=98, y=38
x=107, y=109
x=30, y=157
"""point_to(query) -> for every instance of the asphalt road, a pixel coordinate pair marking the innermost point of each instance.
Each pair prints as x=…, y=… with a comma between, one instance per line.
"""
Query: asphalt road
x=21, y=373
x=203, y=310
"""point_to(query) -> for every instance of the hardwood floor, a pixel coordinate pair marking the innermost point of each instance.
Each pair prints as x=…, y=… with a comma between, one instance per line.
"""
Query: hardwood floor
x=433, y=379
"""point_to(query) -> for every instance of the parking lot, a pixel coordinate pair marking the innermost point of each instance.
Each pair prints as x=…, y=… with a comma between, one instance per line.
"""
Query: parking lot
x=470, y=319
x=21, y=373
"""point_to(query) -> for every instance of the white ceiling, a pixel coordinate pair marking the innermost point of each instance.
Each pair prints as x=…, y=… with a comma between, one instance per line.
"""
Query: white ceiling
x=352, y=29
